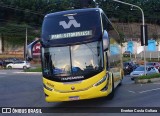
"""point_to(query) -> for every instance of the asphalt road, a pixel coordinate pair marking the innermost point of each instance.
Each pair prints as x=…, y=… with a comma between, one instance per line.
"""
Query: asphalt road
x=26, y=90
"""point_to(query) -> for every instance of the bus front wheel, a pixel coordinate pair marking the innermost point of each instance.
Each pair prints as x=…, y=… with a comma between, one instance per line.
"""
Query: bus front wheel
x=111, y=95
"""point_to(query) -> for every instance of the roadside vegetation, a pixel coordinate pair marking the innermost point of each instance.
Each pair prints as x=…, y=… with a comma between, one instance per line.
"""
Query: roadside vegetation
x=149, y=76
x=38, y=69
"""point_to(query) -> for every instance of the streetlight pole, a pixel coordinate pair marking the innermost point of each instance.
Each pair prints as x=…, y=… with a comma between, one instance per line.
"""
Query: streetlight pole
x=26, y=44
x=143, y=24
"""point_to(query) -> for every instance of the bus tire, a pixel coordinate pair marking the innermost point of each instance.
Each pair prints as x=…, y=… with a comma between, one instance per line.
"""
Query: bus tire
x=111, y=95
x=120, y=81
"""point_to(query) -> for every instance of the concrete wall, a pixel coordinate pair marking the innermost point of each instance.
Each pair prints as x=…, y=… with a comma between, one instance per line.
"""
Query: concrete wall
x=136, y=47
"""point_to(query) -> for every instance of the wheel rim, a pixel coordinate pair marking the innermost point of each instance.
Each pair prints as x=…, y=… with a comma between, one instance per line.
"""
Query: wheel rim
x=9, y=67
x=24, y=67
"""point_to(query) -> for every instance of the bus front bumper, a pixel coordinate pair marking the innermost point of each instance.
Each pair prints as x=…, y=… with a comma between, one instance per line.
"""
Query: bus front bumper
x=93, y=92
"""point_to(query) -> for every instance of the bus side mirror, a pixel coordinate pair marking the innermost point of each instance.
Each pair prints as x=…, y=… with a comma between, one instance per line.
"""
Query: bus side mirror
x=106, y=41
x=30, y=50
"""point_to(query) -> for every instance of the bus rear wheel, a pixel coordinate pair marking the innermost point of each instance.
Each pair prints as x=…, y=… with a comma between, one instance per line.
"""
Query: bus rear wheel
x=120, y=81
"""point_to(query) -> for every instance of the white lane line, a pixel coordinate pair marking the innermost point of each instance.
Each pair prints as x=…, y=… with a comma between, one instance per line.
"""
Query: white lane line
x=3, y=73
x=131, y=91
x=150, y=90
x=27, y=72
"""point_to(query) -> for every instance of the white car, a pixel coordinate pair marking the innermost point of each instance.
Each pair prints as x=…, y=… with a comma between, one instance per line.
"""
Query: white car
x=19, y=64
x=139, y=71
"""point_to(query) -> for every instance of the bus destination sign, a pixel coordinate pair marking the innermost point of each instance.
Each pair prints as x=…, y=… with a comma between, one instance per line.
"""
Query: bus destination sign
x=71, y=35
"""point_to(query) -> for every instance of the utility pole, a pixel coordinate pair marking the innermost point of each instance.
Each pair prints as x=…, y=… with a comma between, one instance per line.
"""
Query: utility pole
x=25, y=50
x=143, y=24
x=0, y=44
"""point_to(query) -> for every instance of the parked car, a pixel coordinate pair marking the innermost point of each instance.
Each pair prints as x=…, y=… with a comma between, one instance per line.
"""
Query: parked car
x=127, y=54
x=155, y=64
x=128, y=67
x=19, y=65
x=139, y=71
x=9, y=60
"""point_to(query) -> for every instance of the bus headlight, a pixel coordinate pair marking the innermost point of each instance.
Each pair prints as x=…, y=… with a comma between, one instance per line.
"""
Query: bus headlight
x=100, y=81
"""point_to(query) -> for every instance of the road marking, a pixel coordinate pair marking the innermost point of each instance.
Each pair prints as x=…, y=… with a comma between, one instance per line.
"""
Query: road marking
x=27, y=72
x=2, y=73
x=131, y=91
x=149, y=90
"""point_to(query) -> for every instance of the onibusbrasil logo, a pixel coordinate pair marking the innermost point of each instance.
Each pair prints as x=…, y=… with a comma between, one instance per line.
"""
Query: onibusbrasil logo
x=20, y=110
x=71, y=22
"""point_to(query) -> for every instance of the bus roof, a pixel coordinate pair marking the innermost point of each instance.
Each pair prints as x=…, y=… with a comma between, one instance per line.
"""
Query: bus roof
x=73, y=11
x=61, y=30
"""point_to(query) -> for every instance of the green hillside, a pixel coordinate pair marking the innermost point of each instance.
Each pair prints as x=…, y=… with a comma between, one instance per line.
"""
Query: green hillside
x=17, y=15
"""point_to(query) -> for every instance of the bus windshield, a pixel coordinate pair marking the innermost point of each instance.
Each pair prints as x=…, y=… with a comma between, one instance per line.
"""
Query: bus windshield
x=70, y=63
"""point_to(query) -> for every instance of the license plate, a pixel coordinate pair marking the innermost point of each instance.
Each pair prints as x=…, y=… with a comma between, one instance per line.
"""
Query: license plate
x=74, y=98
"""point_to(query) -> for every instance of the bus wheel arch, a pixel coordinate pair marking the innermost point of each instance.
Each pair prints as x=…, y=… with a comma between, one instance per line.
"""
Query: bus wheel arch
x=111, y=95
x=122, y=76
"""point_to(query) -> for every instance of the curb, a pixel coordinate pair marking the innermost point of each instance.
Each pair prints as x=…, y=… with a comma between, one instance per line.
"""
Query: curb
x=144, y=81
x=28, y=72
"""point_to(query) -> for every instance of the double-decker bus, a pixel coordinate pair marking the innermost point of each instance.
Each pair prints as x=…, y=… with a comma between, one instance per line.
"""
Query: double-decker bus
x=80, y=55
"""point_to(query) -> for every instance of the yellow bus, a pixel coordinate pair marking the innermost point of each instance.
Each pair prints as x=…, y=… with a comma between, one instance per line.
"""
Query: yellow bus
x=80, y=55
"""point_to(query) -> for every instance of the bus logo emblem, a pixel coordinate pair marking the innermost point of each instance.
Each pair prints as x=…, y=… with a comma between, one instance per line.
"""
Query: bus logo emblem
x=71, y=22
